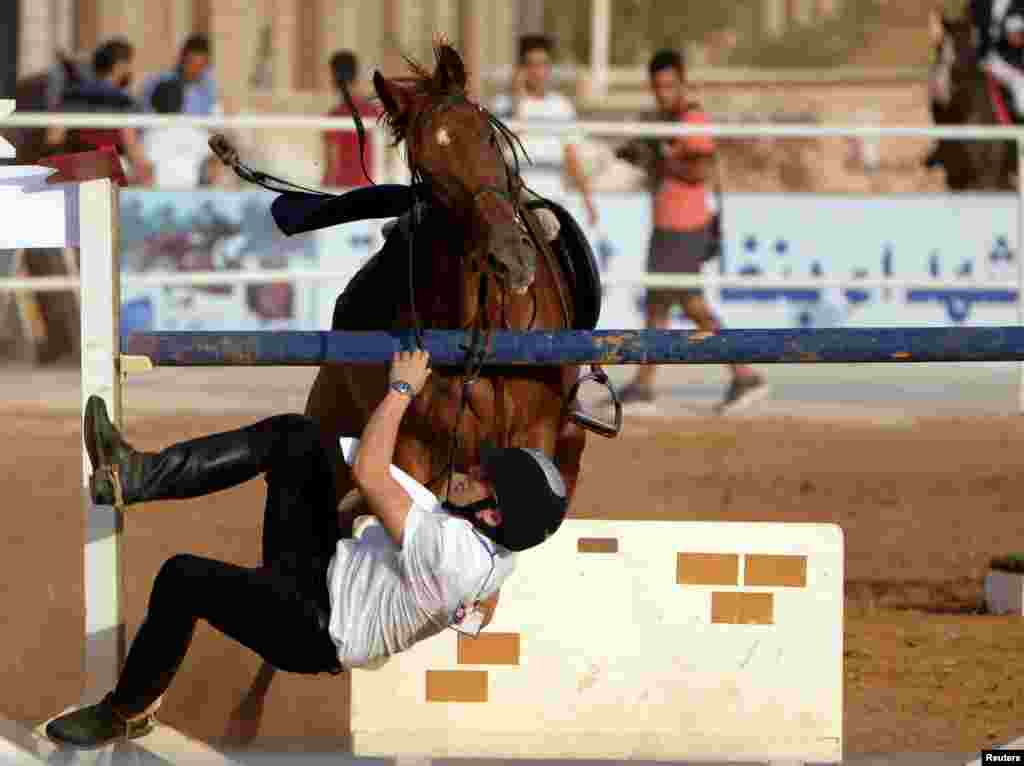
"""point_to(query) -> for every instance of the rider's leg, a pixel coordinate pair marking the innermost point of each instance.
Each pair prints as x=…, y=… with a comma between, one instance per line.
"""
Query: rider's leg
x=262, y=609
x=280, y=610
x=188, y=469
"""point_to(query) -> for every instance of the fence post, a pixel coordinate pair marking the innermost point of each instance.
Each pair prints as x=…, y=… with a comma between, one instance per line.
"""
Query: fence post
x=1019, y=142
x=105, y=640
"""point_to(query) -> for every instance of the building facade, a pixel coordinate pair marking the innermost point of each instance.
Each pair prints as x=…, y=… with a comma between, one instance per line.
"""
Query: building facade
x=268, y=53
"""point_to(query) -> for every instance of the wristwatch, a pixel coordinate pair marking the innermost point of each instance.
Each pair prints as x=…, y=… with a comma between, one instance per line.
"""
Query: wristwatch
x=402, y=387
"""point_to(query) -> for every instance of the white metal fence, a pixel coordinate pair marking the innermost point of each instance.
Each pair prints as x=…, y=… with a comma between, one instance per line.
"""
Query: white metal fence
x=603, y=129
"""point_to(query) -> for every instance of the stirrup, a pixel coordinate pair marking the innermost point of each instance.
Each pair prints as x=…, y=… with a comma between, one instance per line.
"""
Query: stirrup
x=590, y=423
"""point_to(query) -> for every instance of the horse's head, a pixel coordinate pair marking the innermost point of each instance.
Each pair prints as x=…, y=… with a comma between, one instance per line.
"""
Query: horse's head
x=456, y=148
x=955, y=66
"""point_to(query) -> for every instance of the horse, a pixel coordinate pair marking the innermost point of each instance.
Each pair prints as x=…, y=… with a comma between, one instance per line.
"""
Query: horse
x=470, y=254
x=961, y=93
x=479, y=263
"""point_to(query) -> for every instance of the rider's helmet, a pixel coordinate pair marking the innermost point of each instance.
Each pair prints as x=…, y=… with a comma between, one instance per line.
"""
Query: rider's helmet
x=530, y=492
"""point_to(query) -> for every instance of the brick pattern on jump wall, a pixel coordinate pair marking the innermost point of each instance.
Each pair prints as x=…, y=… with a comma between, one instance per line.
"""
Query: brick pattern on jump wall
x=489, y=649
x=708, y=571
x=456, y=686
x=741, y=607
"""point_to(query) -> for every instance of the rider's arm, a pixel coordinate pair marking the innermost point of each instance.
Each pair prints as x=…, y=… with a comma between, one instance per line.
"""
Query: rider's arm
x=386, y=498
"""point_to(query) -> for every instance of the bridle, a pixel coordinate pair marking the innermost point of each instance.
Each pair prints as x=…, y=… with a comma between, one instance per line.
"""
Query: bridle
x=423, y=193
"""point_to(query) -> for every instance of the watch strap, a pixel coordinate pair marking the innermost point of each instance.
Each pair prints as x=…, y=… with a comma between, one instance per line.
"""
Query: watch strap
x=402, y=387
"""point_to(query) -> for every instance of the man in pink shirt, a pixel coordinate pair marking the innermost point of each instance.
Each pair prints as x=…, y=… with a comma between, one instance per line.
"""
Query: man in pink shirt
x=681, y=239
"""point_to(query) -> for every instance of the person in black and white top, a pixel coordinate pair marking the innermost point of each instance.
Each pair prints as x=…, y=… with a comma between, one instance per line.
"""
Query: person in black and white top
x=318, y=604
x=1000, y=35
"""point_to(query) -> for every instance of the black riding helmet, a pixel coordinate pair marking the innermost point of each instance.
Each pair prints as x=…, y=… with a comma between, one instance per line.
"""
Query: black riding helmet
x=531, y=495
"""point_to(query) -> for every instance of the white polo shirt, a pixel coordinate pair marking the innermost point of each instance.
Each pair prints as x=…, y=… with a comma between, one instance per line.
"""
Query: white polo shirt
x=545, y=174
x=384, y=598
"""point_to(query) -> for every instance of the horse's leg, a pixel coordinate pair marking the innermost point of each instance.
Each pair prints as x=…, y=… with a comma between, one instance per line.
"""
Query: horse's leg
x=335, y=402
x=564, y=439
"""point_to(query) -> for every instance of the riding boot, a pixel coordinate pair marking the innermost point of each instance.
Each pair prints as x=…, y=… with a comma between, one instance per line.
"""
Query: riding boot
x=123, y=475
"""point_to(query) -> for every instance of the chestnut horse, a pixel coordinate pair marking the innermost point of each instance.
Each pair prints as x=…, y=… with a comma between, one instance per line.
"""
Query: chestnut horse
x=477, y=260
x=477, y=263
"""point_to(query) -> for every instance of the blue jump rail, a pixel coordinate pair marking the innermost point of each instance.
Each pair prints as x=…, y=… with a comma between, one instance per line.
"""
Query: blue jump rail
x=448, y=347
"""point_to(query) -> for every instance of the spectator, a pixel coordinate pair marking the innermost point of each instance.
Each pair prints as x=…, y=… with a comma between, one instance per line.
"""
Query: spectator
x=105, y=92
x=681, y=240
x=533, y=100
x=178, y=153
x=341, y=147
x=194, y=70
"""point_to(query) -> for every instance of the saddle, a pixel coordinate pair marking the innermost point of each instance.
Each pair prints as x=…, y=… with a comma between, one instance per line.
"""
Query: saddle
x=359, y=305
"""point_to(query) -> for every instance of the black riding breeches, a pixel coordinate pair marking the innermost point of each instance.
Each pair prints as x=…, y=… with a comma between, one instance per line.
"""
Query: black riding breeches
x=279, y=610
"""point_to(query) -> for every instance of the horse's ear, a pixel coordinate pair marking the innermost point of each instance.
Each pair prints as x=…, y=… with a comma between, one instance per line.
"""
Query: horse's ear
x=451, y=72
x=394, y=98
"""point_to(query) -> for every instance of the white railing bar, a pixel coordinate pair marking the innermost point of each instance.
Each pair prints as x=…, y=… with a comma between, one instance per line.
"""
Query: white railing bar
x=206, y=278
x=611, y=129
x=704, y=75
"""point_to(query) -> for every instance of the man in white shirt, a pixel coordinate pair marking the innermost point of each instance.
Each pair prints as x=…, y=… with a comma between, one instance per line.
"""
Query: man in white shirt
x=178, y=153
x=533, y=100
x=318, y=604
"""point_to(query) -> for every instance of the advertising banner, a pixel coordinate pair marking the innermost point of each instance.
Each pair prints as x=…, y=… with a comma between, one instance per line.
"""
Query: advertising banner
x=805, y=236
x=792, y=236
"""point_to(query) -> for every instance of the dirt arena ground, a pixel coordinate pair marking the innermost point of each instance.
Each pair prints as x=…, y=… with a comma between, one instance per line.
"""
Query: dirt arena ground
x=924, y=502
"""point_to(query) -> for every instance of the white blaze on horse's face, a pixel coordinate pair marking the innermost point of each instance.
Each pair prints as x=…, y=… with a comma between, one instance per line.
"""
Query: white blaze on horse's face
x=443, y=139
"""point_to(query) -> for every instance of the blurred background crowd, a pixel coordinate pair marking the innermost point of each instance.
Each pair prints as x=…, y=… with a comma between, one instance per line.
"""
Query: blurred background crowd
x=797, y=61
x=769, y=60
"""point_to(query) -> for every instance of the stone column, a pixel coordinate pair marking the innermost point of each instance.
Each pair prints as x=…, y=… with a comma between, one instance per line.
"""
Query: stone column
x=530, y=17
x=773, y=18
x=801, y=11
x=35, y=20
x=64, y=25
x=391, y=37
x=471, y=33
x=285, y=22
x=828, y=8
x=600, y=46
x=86, y=26
x=234, y=29
x=201, y=14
